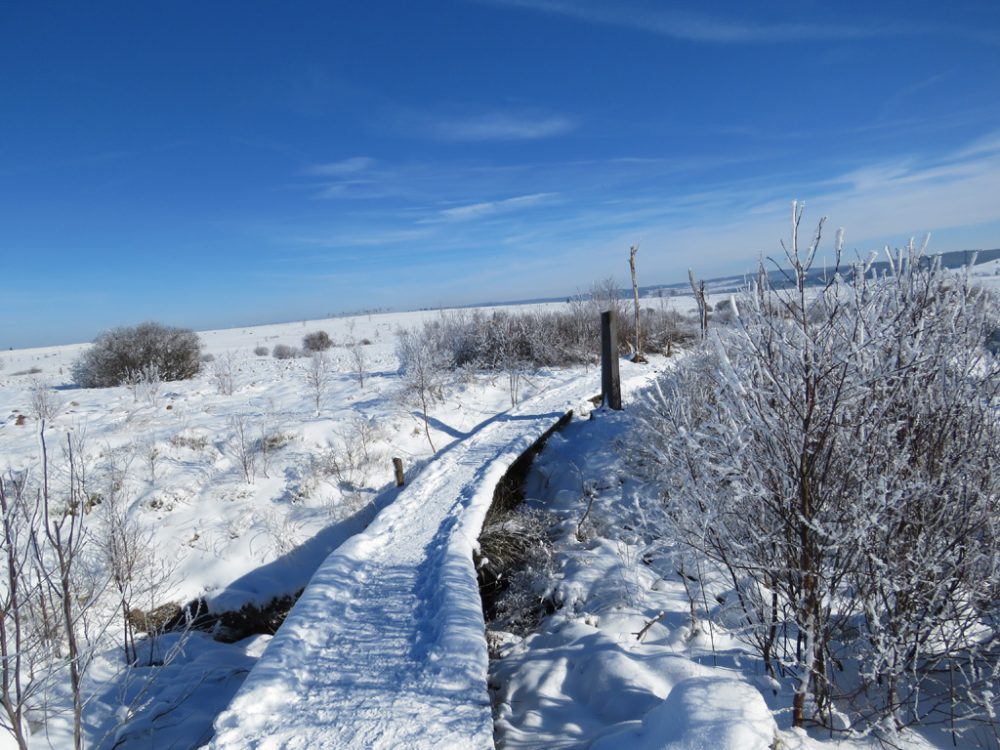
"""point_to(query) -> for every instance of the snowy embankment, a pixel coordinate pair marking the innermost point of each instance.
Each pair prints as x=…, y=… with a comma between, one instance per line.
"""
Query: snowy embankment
x=386, y=646
x=583, y=677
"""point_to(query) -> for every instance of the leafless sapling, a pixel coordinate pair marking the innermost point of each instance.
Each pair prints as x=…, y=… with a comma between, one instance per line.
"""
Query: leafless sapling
x=637, y=357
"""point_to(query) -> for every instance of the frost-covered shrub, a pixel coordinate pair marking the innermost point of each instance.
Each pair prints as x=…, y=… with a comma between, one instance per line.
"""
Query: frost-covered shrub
x=261, y=351
x=223, y=373
x=318, y=377
x=317, y=341
x=45, y=401
x=284, y=351
x=355, y=454
x=118, y=354
x=512, y=342
x=835, y=454
x=422, y=364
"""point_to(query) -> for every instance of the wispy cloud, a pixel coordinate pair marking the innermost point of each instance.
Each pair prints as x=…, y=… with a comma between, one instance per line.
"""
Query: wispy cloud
x=581, y=216
x=499, y=126
x=367, y=237
x=340, y=168
x=487, y=208
x=692, y=26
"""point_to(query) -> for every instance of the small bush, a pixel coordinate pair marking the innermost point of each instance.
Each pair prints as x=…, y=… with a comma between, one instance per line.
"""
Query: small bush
x=45, y=402
x=317, y=341
x=284, y=351
x=174, y=353
x=192, y=442
x=261, y=351
x=206, y=358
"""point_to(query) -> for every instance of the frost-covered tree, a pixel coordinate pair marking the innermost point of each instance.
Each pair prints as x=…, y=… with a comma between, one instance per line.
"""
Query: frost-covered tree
x=318, y=375
x=423, y=364
x=317, y=341
x=224, y=370
x=45, y=401
x=835, y=453
x=117, y=355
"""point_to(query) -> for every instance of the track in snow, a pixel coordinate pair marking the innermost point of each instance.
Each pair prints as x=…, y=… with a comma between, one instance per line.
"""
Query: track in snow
x=386, y=648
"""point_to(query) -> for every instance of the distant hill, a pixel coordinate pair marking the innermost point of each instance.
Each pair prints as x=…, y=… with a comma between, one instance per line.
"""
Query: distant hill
x=780, y=279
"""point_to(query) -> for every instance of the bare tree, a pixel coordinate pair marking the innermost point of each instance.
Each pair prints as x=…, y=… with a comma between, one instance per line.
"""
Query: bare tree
x=637, y=357
x=125, y=549
x=242, y=446
x=318, y=377
x=422, y=366
x=65, y=539
x=702, y=301
x=54, y=609
x=224, y=373
x=45, y=402
x=359, y=358
x=20, y=519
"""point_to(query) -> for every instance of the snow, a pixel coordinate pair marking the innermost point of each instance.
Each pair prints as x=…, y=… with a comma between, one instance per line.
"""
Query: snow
x=210, y=526
x=583, y=679
x=385, y=647
x=214, y=535
x=701, y=713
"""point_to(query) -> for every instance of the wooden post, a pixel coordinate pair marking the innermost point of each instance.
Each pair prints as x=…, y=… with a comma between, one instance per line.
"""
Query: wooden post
x=611, y=387
x=397, y=466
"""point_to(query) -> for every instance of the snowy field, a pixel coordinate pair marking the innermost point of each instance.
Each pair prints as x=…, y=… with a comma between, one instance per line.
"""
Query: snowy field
x=231, y=534
x=215, y=531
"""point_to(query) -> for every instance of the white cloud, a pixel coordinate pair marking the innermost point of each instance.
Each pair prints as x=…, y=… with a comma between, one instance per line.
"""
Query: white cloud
x=479, y=210
x=692, y=26
x=371, y=237
x=341, y=168
x=498, y=126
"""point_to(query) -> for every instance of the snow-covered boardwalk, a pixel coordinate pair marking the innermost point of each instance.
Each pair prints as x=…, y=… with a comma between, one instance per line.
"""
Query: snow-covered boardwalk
x=385, y=648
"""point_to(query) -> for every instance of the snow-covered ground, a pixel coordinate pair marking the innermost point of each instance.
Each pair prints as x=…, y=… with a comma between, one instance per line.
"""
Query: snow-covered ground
x=213, y=534
x=621, y=663
x=211, y=525
x=383, y=663
x=628, y=660
x=385, y=648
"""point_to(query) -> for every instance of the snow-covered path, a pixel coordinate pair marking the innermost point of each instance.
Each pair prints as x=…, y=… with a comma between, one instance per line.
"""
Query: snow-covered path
x=385, y=648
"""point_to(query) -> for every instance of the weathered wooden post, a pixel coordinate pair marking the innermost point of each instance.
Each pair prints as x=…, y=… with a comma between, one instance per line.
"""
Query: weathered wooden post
x=611, y=385
x=397, y=466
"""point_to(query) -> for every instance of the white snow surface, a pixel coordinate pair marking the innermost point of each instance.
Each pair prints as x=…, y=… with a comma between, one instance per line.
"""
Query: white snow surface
x=385, y=647
x=213, y=534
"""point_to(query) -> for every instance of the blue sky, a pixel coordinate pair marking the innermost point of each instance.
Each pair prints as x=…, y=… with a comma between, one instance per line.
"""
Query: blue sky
x=227, y=163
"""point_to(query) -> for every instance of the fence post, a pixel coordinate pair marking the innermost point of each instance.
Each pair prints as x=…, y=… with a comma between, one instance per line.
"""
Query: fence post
x=397, y=466
x=611, y=387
